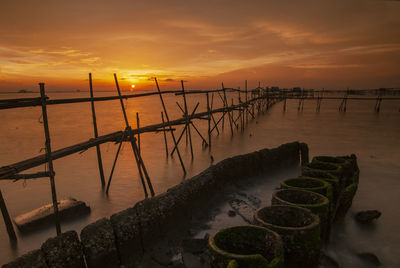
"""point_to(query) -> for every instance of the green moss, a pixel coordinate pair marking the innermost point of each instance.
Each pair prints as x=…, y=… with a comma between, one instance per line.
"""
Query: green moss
x=330, y=159
x=320, y=206
x=310, y=184
x=233, y=264
x=249, y=246
x=347, y=163
x=322, y=167
x=356, y=176
x=300, y=232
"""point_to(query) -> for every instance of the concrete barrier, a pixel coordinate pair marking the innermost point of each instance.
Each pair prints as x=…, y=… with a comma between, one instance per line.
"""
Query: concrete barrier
x=64, y=251
x=33, y=259
x=99, y=245
x=127, y=233
x=135, y=230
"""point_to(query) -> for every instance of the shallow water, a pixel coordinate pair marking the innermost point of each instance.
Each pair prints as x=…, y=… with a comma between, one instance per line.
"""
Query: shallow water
x=372, y=137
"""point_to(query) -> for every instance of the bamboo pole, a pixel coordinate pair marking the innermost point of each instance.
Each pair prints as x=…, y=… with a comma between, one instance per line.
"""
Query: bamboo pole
x=49, y=158
x=7, y=172
x=37, y=175
x=209, y=120
x=184, y=130
x=7, y=220
x=138, y=126
x=187, y=120
x=115, y=163
x=170, y=126
x=247, y=107
x=138, y=158
x=229, y=114
x=96, y=134
x=165, y=136
x=212, y=115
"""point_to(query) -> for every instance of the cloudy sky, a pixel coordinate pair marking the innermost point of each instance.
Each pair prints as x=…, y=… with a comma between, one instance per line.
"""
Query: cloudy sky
x=330, y=44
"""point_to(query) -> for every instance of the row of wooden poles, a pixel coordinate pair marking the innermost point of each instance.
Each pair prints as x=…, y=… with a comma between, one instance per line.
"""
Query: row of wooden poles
x=305, y=95
x=259, y=98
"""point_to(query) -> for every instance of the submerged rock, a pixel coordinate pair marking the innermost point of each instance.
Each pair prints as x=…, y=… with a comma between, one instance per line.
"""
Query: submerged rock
x=68, y=209
x=367, y=216
x=243, y=209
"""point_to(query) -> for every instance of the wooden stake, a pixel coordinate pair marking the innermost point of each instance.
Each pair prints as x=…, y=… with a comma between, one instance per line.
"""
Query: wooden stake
x=49, y=158
x=212, y=116
x=226, y=107
x=187, y=119
x=170, y=127
x=138, y=158
x=209, y=120
x=138, y=126
x=96, y=134
x=115, y=163
x=7, y=220
x=184, y=130
x=165, y=136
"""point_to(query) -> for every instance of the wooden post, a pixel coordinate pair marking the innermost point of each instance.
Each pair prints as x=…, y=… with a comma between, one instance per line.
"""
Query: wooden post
x=96, y=134
x=7, y=220
x=138, y=126
x=212, y=116
x=49, y=158
x=115, y=163
x=284, y=103
x=209, y=120
x=223, y=114
x=187, y=119
x=165, y=136
x=247, y=105
x=226, y=107
x=185, y=128
x=138, y=158
x=170, y=127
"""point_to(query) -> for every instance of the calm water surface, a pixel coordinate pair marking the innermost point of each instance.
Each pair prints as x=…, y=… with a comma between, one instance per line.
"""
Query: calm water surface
x=374, y=138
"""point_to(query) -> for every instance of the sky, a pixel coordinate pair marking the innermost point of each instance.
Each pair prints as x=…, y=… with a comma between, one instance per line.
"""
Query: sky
x=312, y=44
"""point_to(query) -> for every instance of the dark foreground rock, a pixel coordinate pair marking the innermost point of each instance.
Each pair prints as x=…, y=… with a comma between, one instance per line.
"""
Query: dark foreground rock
x=367, y=216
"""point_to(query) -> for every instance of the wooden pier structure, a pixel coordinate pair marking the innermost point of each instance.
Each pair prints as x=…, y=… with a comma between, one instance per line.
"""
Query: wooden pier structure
x=241, y=110
x=248, y=104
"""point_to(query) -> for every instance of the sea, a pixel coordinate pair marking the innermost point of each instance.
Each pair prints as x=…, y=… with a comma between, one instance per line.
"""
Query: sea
x=373, y=137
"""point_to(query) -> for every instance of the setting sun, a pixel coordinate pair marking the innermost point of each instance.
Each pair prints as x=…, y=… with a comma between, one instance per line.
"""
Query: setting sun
x=132, y=87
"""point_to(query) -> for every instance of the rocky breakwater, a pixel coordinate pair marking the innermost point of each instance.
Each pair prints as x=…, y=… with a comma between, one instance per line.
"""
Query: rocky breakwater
x=127, y=236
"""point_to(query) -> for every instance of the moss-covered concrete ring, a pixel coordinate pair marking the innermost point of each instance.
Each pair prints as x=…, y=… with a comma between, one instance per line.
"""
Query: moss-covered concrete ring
x=338, y=183
x=323, y=167
x=250, y=246
x=299, y=230
x=314, y=185
x=310, y=184
x=316, y=203
x=346, y=164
